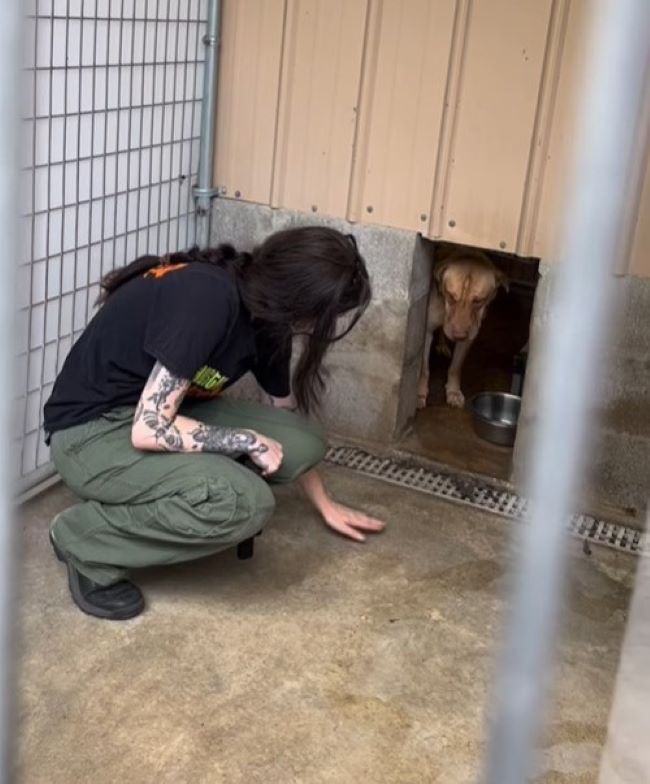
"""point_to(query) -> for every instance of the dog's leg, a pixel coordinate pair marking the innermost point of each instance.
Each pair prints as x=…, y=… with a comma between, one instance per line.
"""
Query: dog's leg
x=423, y=384
x=435, y=317
x=442, y=345
x=453, y=393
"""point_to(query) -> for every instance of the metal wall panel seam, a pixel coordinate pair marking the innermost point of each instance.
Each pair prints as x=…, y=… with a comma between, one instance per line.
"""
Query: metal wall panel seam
x=278, y=104
x=284, y=105
x=365, y=95
x=448, y=122
x=544, y=115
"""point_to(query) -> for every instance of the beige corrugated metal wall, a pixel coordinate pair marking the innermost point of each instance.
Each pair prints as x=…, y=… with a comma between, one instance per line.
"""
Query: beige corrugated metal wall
x=449, y=117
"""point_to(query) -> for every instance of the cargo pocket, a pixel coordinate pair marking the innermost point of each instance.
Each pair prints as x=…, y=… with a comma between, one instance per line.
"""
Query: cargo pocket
x=213, y=508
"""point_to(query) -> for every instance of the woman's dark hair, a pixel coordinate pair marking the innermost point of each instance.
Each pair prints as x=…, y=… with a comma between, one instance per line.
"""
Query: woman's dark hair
x=299, y=280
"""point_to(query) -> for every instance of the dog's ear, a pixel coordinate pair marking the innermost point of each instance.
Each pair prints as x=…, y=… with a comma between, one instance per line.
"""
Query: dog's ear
x=501, y=279
x=439, y=271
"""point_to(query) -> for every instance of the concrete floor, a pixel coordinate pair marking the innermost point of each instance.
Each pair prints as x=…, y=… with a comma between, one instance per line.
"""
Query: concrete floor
x=446, y=435
x=317, y=661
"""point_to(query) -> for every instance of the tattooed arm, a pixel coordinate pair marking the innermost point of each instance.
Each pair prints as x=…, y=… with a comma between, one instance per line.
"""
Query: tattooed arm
x=158, y=427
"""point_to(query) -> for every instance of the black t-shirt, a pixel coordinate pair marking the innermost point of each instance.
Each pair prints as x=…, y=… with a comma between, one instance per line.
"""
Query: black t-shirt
x=188, y=317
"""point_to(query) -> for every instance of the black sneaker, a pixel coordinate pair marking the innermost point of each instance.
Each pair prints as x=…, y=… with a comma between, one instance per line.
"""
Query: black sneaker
x=116, y=602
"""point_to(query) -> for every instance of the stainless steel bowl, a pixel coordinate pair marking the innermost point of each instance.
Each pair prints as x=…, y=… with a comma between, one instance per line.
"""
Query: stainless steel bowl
x=495, y=416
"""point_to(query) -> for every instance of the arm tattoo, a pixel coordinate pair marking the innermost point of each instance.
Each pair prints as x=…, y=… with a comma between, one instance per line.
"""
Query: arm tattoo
x=157, y=410
x=165, y=386
x=155, y=372
x=166, y=433
x=225, y=440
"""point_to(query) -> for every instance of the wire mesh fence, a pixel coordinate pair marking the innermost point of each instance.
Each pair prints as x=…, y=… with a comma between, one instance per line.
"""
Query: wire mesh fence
x=110, y=127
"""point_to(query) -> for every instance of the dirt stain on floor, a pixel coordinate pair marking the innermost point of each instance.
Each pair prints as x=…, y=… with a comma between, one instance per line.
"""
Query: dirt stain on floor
x=612, y=597
x=575, y=732
x=470, y=576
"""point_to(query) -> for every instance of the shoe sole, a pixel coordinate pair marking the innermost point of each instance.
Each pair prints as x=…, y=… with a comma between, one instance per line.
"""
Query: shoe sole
x=81, y=603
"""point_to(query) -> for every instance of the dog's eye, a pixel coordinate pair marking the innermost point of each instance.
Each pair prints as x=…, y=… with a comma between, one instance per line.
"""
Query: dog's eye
x=478, y=303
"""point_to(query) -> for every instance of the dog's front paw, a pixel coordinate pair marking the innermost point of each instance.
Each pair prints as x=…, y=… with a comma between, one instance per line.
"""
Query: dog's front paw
x=422, y=401
x=455, y=397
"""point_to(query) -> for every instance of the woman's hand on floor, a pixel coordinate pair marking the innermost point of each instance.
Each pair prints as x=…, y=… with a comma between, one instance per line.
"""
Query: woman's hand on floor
x=345, y=521
x=350, y=522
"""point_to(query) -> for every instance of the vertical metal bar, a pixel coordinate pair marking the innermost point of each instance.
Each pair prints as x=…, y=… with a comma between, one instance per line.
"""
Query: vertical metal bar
x=172, y=182
x=63, y=184
x=203, y=192
x=182, y=157
x=190, y=194
x=32, y=240
x=128, y=145
x=139, y=251
x=48, y=244
x=151, y=139
x=162, y=250
x=613, y=90
x=106, y=113
x=10, y=55
x=78, y=183
x=162, y=131
x=92, y=200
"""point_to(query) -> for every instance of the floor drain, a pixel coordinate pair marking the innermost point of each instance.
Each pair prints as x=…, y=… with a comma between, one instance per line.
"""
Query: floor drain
x=480, y=494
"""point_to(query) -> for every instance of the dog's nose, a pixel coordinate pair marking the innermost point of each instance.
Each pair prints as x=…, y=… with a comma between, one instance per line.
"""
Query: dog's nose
x=455, y=333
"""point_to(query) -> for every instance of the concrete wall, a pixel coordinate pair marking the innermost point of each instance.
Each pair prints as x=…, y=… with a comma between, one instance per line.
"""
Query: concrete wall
x=619, y=463
x=374, y=370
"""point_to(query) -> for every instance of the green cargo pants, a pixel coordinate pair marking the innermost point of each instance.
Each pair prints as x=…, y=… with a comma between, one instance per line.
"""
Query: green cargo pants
x=152, y=508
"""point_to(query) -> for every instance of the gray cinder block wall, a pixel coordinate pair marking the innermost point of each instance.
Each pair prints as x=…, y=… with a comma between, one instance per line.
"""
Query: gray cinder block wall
x=373, y=372
x=619, y=453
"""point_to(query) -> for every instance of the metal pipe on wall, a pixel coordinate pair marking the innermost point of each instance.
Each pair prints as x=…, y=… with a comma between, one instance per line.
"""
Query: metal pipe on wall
x=203, y=191
x=614, y=84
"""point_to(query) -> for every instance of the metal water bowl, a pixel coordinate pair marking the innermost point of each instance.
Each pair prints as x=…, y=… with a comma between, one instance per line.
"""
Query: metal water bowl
x=495, y=416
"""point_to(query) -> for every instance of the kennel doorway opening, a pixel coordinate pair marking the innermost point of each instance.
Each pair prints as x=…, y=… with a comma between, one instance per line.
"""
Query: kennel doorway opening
x=495, y=363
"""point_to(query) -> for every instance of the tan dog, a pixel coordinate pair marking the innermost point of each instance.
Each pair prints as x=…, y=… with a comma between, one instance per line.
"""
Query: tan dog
x=463, y=286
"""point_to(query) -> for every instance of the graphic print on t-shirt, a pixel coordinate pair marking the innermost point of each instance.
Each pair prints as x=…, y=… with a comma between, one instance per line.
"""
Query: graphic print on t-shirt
x=207, y=382
x=163, y=269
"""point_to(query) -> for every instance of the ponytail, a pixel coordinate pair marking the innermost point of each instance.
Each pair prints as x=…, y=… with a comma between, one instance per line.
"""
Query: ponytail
x=221, y=256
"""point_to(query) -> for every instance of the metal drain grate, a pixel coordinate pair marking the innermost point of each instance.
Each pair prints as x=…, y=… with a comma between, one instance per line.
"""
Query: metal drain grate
x=482, y=495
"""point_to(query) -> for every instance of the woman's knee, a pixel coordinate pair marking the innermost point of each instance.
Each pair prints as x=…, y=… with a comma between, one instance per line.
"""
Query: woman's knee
x=302, y=451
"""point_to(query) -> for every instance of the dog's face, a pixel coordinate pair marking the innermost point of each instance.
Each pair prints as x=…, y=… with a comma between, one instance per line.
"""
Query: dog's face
x=467, y=287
